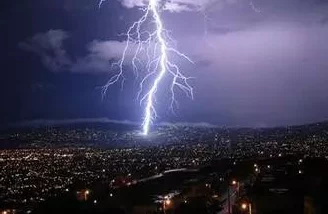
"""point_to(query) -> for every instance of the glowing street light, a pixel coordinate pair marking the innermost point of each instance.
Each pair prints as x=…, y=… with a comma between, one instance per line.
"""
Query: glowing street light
x=245, y=206
x=167, y=202
x=236, y=183
x=233, y=183
x=86, y=193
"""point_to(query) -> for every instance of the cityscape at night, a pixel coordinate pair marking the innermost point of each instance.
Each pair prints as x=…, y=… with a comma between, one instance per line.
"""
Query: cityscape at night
x=163, y=107
x=45, y=163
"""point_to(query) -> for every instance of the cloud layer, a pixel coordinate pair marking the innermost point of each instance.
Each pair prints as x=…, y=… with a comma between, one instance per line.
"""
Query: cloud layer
x=49, y=46
x=176, y=5
x=259, y=62
x=46, y=122
x=100, y=54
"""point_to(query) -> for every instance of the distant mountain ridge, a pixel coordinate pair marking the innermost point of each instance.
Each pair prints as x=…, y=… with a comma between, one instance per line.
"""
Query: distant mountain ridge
x=127, y=124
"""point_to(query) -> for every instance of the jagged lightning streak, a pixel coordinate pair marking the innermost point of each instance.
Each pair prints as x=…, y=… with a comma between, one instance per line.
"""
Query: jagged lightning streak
x=155, y=46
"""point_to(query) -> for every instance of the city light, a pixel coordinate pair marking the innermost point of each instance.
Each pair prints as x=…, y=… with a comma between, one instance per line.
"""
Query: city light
x=124, y=161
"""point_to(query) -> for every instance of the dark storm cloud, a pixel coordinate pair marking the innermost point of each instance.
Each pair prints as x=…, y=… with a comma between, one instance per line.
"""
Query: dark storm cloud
x=222, y=30
x=177, y=6
x=270, y=71
x=324, y=20
x=100, y=55
x=49, y=46
x=258, y=63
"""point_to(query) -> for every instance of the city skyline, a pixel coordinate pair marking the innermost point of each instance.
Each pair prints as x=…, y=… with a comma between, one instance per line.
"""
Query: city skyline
x=61, y=163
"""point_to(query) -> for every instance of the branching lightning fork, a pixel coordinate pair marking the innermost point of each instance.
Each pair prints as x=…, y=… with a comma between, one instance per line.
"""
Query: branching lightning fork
x=150, y=51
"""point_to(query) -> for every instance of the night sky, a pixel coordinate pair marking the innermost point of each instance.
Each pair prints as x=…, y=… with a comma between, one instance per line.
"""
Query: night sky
x=257, y=63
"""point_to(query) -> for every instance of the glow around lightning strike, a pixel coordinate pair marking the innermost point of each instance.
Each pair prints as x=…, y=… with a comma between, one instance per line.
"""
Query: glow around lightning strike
x=151, y=51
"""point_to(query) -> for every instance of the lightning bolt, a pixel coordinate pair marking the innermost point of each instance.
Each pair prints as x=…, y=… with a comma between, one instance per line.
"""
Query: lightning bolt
x=151, y=51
